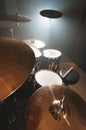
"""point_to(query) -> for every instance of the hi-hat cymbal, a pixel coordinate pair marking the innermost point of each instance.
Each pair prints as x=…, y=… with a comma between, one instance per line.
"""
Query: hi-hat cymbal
x=15, y=18
x=55, y=108
x=49, y=13
x=16, y=63
x=36, y=43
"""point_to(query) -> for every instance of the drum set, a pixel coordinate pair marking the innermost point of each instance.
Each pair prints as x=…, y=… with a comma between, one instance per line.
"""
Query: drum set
x=51, y=105
x=33, y=95
x=46, y=65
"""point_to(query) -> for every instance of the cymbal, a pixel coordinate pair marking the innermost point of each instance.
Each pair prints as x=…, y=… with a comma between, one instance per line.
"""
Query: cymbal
x=36, y=43
x=16, y=63
x=49, y=13
x=15, y=18
x=62, y=100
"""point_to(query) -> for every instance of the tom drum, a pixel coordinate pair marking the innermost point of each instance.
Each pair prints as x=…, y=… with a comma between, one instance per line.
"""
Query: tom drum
x=47, y=77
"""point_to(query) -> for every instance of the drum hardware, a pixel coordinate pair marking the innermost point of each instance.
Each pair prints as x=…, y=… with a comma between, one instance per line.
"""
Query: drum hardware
x=58, y=111
x=69, y=75
x=53, y=67
x=66, y=73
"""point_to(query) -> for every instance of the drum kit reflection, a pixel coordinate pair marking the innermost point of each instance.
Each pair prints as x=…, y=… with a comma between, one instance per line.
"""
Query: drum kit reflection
x=51, y=105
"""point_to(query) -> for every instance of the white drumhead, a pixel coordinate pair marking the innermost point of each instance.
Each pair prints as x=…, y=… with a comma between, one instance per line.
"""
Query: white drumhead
x=36, y=51
x=47, y=77
x=35, y=43
x=51, y=53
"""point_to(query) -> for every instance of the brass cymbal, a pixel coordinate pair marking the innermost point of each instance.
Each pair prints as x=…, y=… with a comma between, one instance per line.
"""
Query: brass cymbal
x=15, y=18
x=70, y=115
x=16, y=63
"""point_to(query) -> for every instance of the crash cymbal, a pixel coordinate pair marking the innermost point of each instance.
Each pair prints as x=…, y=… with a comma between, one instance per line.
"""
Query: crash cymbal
x=49, y=13
x=16, y=63
x=55, y=108
x=15, y=18
x=36, y=43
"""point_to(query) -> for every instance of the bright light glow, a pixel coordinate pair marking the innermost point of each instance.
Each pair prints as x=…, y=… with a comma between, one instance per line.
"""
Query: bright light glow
x=46, y=21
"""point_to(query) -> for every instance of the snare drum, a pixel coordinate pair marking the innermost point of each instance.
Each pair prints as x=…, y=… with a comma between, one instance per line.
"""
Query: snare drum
x=50, y=59
x=47, y=77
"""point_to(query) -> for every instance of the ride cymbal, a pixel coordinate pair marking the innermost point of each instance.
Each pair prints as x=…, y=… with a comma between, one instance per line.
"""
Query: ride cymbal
x=16, y=63
x=15, y=18
x=55, y=108
x=49, y=13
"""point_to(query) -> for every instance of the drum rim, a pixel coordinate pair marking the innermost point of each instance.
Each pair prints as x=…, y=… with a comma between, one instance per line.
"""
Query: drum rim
x=52, y=50
x=39, y=54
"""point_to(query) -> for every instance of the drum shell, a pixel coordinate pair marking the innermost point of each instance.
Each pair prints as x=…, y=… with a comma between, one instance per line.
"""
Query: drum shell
x=49, y=63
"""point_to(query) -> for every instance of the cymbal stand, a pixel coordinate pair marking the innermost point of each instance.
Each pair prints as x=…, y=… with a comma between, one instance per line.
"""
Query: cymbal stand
x=12, y=34
x=12, y=30
x=58, y=110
